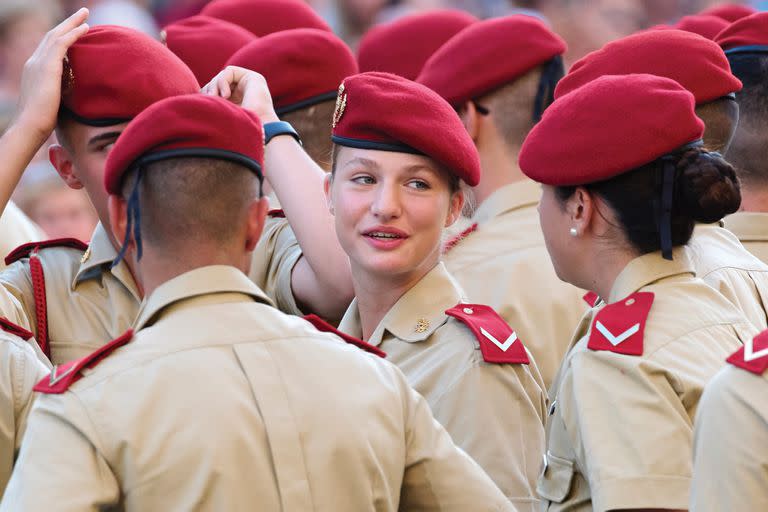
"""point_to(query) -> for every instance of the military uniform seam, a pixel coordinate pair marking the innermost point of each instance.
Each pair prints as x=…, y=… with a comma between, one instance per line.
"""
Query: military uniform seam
x=666, y=344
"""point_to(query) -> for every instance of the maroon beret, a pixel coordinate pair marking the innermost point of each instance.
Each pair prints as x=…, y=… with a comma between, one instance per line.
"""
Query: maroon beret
x=404, y=45
x=730, y=12
x=705, y=25
x=750, y=31
x=205, y=43
x=113, y=73
x=487, y=55
x=263, y=17
x=192, y=125
x=390, y=113
x=609, y=126
x=302, y=66
x=698, y=64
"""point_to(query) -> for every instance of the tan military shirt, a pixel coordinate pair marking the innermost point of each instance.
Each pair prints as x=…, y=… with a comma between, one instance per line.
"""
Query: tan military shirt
x=20, y=369
x=730, y=467
x=88, y=303
x=16, y=229
x=723, y=263
x=751, y=228
x=504, y=263
x=620, y=430
x=494, y=412
x=221, y=402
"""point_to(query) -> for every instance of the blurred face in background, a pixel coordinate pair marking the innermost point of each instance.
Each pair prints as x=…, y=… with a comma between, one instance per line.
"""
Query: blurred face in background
x=21, y=30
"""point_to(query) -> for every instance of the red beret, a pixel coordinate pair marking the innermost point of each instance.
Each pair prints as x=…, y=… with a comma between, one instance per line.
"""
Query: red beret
x=192, y=125
x=302, y=66
x=750, y=31
x=113, y=73
x=730, y=12
x=705, y=25
x=390, y=113
x=263, y=17
x=698, y=64
x=205, y=43
x=404, y=45
x=611, y=125
x=487, y=55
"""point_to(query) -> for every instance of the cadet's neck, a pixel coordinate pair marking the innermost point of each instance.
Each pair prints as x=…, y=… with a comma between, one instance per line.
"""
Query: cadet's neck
x=499, y=168
x=754, y=199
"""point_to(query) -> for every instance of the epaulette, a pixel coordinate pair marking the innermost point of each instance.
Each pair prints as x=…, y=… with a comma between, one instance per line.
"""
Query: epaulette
x=453, y=242
x=498, y=341
x=619, y=327
x=63, y=376
x=323, y=326
x=23, y=251
x=753, y=356
x=276, y=214
x=14, y=329
x=591, y=298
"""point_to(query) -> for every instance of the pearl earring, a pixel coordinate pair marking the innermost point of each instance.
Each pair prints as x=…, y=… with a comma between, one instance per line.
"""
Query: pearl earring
x=574, y=232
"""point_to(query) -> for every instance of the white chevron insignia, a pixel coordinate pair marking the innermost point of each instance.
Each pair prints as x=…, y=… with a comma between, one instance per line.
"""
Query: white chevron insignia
x=750, y=355
x=615, y=340
x=503, y=346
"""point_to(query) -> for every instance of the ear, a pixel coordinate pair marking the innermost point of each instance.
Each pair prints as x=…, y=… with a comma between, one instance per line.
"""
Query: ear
x=327, y=182
x=62, y=161
x=257, y=214
x=118, y=217
x=455, y=208
x=469, y=116
x=581, y=209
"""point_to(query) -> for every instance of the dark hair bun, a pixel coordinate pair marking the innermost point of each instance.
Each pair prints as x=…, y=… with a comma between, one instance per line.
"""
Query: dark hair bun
x=707, y=186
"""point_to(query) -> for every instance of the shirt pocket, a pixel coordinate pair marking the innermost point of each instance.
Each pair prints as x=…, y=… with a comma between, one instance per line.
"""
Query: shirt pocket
x=556, y=477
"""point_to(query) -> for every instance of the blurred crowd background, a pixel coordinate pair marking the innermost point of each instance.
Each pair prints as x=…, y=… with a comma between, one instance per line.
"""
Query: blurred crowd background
x=62, y=212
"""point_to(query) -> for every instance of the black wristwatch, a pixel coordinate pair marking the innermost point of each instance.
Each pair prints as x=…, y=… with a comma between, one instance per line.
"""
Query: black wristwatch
x=272, y=130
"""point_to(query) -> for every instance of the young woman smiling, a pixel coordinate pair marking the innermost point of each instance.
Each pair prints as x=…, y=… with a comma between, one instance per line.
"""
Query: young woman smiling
x=401, y=154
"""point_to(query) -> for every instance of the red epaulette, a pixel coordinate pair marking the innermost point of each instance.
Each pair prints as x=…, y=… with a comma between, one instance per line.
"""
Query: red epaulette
x=276, y=214
x=25, y=250
x=753, y=356
x=63, y=376
x=14, y=329
x=490, y=329
x=453, y=242
x=619, y=327
x=591, y=298
x=323, y=326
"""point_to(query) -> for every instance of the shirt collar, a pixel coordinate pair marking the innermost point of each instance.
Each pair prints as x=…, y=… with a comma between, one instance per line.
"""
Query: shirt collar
x=509, y=197
x=648, y=269
x=748, y=226
x=204, y=281
x=100, y=254
x=416, y=315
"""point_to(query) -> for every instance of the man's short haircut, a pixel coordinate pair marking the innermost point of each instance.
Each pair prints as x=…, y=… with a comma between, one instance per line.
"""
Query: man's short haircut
x=189, y=201
x=749, y=150
x=314, y=127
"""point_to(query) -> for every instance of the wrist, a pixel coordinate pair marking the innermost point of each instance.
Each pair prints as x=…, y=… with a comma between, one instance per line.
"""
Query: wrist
x=268, y=117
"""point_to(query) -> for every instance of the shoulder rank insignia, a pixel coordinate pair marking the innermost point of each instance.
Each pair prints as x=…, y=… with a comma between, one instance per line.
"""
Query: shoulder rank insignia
x=63, y=376
x=276, y=213
x=498, y=342
x=456, y=240
x=753, y=356
x=619, y=327
x=323, y=326
x=25, y=250
x=591, y=298
x=14, y=329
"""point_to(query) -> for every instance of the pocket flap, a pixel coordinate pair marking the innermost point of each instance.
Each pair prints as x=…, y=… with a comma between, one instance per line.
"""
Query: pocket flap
x=555, y=480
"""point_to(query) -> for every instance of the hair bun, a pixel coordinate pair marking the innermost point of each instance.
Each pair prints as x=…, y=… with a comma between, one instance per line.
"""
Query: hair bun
x=707, y=185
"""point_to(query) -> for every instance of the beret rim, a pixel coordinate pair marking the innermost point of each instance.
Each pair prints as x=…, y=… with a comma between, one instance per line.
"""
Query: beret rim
x=99, y=122
x=287, y=109
x=752, y=48
x=369, y=144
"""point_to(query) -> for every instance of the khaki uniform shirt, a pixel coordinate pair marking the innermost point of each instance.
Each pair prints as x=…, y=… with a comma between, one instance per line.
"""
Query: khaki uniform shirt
x=89, y=304
x=505, y=264
x=730, y=468
x=494, y=412
x=222, y=403
x=723, y=263
x=751, y=228
x=20, y=369
x=620, y=430
x=16, y=229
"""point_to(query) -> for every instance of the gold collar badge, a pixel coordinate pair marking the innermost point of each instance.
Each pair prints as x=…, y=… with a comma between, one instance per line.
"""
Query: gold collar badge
x=341, y=104
x=422, y=325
